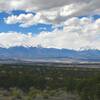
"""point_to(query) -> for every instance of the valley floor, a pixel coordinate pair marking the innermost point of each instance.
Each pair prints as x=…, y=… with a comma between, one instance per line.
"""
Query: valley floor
x=49, y=81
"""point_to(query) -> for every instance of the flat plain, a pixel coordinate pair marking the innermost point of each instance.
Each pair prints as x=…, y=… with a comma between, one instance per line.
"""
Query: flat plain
x=50, y=81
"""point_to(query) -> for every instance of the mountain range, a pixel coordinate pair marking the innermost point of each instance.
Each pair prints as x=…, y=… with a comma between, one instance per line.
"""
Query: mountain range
x=52, y=54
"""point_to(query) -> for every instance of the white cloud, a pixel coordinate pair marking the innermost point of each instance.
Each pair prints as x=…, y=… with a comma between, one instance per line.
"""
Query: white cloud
x=25, y=20
x=53, y=11
x=11, y=39
x=77, y=33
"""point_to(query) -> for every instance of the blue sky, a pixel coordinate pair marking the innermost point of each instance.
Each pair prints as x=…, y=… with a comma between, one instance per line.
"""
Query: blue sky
x=62, y=24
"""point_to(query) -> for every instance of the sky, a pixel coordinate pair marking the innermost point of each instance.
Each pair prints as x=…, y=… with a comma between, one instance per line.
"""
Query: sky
x=69, y=24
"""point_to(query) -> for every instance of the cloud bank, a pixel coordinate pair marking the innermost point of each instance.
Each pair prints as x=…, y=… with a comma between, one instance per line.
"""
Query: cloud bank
x=50, y=11
x=76, y=34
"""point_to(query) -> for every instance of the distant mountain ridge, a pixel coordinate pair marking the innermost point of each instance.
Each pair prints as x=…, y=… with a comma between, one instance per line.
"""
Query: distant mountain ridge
x=48, y=53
